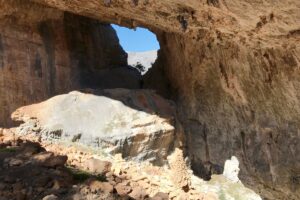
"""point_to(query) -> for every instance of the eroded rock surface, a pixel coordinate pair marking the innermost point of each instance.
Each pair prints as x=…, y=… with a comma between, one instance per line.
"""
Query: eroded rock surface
x=240, y=99
x=138, y=124
x=231, y=66
x=45, y=52
x=26, y=175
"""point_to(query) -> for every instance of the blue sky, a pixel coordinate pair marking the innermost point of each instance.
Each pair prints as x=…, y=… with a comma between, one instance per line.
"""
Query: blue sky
x=136, y=41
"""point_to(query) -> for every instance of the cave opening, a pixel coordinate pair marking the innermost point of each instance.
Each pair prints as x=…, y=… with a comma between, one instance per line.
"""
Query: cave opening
x=75, y=52
x=141, y=46
x=107, y=56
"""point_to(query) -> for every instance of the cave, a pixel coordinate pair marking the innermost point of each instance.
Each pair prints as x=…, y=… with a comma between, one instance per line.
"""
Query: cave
x=232, y=68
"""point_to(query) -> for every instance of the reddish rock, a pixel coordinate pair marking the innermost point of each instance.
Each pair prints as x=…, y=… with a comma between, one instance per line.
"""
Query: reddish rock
x=123, y=189
x=30, y=148
x=47, y=51
x=160, y=196
x=98, y=166
x=138, y=193
x=104, y=187
x=55, y=161
x=42, y=157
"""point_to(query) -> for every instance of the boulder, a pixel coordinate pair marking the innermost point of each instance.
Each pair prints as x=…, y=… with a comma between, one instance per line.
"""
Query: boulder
x=138, y=193
x=98, y=166
x=50, y=197
x=104, y=187
x=231, y=169
x=55, y=161
x=30, y=148
x=123, y=189
x=139, y=124
x=160, y=196
x=41, y=157
x=15, y=162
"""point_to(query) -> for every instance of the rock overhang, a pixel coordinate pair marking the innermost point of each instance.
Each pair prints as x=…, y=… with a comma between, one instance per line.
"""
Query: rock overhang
x=190, y=18
x=215, y=55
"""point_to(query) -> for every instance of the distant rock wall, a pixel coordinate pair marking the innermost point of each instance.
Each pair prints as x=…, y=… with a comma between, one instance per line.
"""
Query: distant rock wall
x=44, y=52
x=146, y=59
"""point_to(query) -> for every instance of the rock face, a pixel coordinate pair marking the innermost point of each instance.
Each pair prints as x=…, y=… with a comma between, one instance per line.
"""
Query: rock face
x=30, y=176
x=138, y=124
x=231, y=66
x=147, y=59
x=242, y=100
x=49, y=52
x=231, y=169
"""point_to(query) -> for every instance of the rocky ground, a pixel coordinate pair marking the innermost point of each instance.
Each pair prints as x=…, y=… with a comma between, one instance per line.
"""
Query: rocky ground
x=29, y=171
x=138, y=157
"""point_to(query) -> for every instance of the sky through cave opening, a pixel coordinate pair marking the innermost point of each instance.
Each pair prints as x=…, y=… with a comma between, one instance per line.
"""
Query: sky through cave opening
x=141, y=46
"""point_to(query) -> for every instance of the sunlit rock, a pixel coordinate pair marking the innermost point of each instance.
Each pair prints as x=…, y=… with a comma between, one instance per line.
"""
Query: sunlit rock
x=231, y=169
x=136, y=123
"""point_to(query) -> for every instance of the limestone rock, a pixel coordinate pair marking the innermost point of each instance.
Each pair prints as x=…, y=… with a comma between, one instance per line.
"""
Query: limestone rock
x=55, y=161
x=160, y=196
x=179, y=176
x=138, y=124
x=231, y=169
x=98, y=166
x=138, y=193
x=24, y=178
x=104, y=187
x=123, y=189
x=50, y=197
x=42, y=157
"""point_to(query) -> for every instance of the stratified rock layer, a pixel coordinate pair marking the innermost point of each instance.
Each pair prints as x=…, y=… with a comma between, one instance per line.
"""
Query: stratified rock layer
x=138, y=124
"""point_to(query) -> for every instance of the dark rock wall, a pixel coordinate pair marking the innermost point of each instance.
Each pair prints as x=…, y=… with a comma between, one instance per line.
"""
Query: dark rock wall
x=39, y=59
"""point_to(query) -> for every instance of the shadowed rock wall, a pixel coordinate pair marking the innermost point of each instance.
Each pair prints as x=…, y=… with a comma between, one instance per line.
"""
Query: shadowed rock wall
x=43, y=57
x=233, y=100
